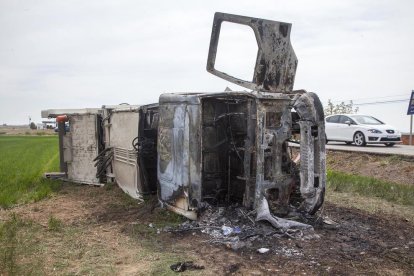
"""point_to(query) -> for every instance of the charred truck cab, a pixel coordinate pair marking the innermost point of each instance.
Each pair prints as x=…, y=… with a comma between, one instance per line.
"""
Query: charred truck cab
x=233, y=147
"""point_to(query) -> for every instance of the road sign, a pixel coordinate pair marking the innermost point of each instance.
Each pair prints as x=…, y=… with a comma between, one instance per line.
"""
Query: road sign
x=410, y=110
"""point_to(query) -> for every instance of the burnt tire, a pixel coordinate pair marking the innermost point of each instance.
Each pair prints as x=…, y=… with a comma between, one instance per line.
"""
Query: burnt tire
x=359, y=139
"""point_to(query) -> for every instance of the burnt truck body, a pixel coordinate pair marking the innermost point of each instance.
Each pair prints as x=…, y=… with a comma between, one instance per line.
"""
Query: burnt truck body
x=115, y=143
x=233, y=147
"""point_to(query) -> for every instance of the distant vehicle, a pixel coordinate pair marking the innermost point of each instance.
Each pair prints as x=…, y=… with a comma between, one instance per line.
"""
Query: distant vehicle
x=360, y=130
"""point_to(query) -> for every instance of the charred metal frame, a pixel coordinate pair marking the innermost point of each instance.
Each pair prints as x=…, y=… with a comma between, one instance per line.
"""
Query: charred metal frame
x=276, y=61
x=146, y=146
x=226, y=148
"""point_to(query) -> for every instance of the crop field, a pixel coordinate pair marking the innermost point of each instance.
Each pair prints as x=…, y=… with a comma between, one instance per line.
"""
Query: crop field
x=23, y=160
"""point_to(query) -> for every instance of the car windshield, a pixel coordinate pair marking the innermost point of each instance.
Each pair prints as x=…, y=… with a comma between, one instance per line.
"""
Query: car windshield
x=366, y=120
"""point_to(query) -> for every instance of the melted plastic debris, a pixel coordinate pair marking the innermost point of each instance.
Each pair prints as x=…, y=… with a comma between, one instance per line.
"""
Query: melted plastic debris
x=263, y=250
x=236, y=228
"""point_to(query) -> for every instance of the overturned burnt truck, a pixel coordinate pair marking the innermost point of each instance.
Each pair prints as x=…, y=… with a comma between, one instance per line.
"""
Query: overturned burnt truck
x=233, y=147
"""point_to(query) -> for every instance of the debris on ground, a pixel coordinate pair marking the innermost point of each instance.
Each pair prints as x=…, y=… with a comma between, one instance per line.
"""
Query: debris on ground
x=235, y=227
x=263, y=213
x=329, y=221
x=183, y=266
x=263, y=250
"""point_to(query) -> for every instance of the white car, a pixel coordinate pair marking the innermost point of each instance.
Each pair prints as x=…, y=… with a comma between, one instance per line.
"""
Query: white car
x=360, y=130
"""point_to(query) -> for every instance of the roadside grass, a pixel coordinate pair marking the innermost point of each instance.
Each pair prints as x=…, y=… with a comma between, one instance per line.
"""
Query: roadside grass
x=370, y=187
x=23, y=160
x=19, y=249
x=372, y=205
x=28, y=248
x=393, y=159
x=54, y=224
x=89, y=247
x=150, y=228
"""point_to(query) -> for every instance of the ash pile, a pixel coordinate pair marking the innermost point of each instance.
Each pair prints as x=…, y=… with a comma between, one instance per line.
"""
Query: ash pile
x=236, y=227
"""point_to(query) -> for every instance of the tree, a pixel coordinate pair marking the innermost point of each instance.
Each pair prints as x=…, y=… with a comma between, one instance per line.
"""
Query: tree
x=33, y=125
x=341, y=108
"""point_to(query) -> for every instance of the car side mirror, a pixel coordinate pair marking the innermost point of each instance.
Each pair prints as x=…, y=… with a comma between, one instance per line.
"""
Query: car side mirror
x=348, y=122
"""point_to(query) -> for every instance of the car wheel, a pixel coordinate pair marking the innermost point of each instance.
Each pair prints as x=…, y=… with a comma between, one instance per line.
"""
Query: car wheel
x=389, y=144
x=359, y=139
x=348, y=143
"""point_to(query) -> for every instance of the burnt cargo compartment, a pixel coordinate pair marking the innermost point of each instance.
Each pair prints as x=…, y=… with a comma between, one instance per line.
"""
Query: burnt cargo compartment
x=224, y=136
x=202, y=142
x=146, y=146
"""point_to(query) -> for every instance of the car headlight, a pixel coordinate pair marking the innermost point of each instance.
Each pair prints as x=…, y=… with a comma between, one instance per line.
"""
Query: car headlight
x=374, y=131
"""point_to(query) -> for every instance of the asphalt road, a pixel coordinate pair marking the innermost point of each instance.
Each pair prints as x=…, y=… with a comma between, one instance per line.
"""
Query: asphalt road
x=379, y=149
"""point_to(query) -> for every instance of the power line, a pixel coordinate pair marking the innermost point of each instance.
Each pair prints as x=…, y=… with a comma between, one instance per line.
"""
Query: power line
x=382, y=97
x=381, y=102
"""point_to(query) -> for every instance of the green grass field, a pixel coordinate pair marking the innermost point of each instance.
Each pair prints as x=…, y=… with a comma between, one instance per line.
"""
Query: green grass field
x=23, y=160
x=370, y=187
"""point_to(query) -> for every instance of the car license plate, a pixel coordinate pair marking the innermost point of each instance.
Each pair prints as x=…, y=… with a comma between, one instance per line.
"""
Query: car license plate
x=391, y=136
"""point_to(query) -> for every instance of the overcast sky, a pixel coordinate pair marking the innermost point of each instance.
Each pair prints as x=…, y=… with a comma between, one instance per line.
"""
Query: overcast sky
x=73, y=54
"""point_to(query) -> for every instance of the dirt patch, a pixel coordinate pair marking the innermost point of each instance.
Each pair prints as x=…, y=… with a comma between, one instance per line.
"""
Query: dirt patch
x=64, y=206
x=391, y=168
x=104, y=232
